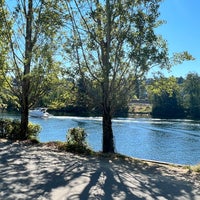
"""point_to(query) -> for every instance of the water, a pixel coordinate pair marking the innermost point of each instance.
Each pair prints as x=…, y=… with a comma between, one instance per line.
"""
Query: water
x=175, y=141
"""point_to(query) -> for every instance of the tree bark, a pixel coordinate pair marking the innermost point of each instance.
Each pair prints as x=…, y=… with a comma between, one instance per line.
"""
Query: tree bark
x=24, y=118
x=108, y=142
x=26, y=80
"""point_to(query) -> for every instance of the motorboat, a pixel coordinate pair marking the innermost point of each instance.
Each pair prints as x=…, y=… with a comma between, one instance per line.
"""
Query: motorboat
x=39, y=112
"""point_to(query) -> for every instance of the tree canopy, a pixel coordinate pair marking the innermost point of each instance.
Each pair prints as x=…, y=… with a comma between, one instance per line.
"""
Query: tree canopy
x=31, y=33
x=114, y=44
x=164, y=94
x=108, y=46
x=191, y=94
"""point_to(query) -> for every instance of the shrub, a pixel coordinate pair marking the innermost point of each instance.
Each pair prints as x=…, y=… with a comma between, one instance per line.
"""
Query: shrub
x=77, y=136
x=33, y=130
x=195, y=168
x=10, y=129
x=76, y=141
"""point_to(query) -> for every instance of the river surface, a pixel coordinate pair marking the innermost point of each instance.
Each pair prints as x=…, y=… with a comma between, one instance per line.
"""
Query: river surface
x=174, y=141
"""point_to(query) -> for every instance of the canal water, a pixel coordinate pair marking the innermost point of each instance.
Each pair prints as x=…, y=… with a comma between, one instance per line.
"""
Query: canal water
x=175, y=141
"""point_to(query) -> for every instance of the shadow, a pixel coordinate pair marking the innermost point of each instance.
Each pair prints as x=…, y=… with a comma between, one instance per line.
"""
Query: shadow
x=37, y=172
x=105, y=181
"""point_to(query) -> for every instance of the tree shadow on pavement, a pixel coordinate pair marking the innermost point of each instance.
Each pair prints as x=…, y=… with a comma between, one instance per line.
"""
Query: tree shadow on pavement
x=37, y=172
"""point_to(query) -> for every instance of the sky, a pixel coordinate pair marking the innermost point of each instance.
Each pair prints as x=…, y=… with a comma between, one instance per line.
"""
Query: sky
x=182, y=32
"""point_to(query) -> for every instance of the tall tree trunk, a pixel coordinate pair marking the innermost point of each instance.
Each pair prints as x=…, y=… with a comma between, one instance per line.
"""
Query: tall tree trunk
x=108, y=142
x=24, y=115
x=27, y=65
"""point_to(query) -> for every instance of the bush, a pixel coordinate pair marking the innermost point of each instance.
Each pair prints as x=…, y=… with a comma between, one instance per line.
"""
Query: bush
x=77, y=136
x=61, y=146
x=195, y=168
x=10, y=129
x=33, y=130
x=76, y=141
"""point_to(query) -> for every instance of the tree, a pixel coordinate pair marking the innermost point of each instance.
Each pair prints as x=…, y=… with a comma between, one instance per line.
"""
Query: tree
x=164, y=93
x=61, y=95
x=5, y=81
x=31, y=64
x=114, y=44
x=192, y=95
x=88, y=95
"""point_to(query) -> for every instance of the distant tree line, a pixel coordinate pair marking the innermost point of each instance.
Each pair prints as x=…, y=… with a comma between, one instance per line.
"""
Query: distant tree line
x=170, y=97
x=175, y=97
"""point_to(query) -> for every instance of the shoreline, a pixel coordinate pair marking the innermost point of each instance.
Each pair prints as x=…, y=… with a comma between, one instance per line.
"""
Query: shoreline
x=40, y=172
x=52, y=145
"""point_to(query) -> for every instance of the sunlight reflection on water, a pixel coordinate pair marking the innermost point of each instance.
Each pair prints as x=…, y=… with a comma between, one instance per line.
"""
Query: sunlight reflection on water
x=175, y=141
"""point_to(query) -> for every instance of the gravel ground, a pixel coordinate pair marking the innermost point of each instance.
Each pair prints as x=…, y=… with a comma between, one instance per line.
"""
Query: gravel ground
x=38, y=172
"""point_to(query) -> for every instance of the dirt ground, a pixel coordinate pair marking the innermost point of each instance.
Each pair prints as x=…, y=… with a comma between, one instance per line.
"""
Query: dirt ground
x=41, y=173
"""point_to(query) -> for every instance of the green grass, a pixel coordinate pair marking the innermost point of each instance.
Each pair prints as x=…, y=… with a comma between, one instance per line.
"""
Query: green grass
x=194, y=168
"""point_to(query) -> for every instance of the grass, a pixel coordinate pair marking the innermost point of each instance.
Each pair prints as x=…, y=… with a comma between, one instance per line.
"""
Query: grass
x=140, y=108
x=194, y=168
x=72, y=148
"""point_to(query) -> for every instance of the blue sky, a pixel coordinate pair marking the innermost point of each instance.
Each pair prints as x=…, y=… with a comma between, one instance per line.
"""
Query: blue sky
x=182, y=32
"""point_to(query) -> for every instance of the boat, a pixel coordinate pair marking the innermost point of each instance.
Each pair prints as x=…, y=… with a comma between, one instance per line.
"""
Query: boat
x=39, y=112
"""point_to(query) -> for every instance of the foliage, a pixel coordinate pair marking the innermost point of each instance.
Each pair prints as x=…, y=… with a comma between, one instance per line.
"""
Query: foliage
x=84, y=102
x=61, y=93
x=110, y=44
x=162, y=85
x=33, y=130
x=164, y=95
x=4, y=49
x=195, y=168
x=113, y=44
x=10, y=129
x=191, y=95
x=175, y=97
x=31, y=65
x=76, y=136
x=88, y=99
x=61, y=146
x=76, y=141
